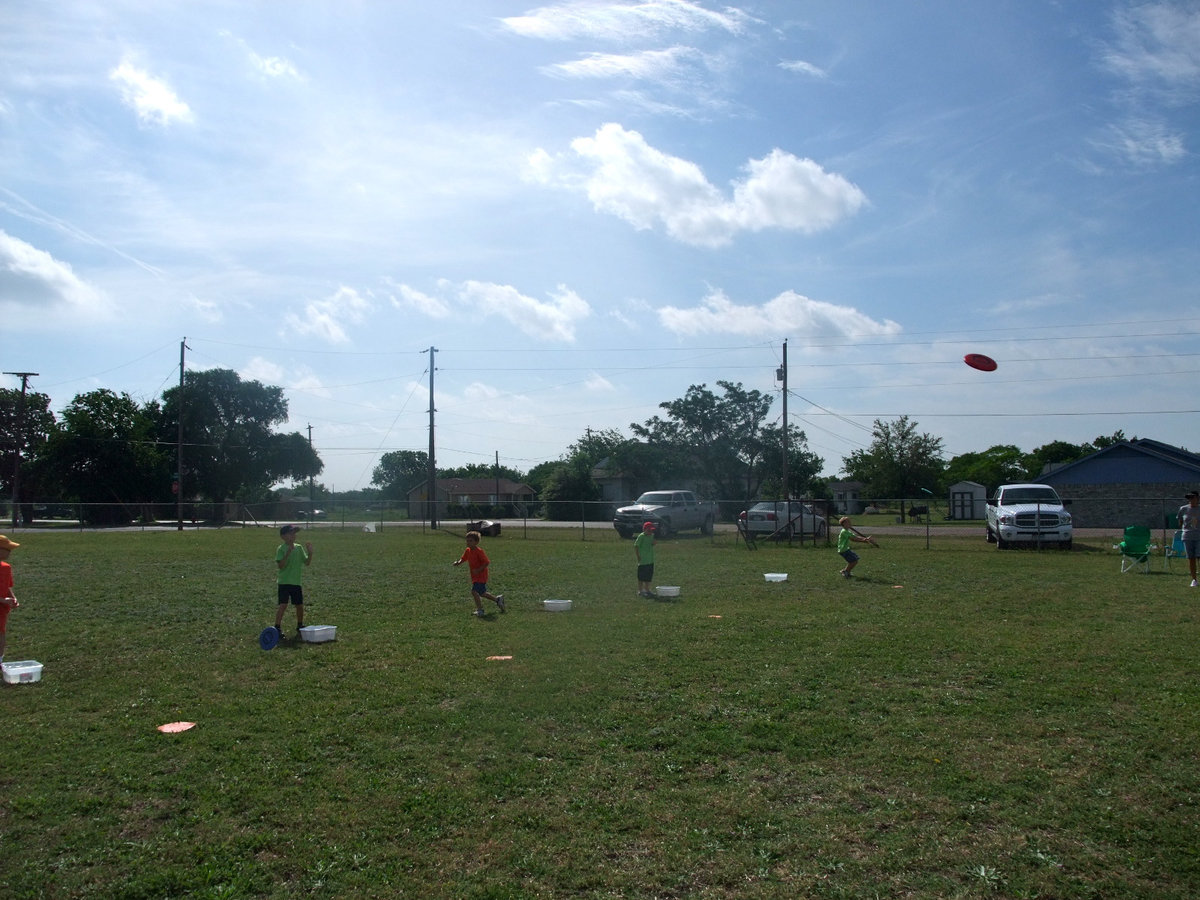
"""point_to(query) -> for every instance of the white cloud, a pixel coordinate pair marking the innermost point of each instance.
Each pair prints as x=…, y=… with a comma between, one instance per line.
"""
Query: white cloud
x=326, y=318
x=598, y=384
x=554, y=319
x=434, y=307
x=626, y=177
x=33, y=279
x=1143, y=143
x=620, y=21
x=1158, y=45
x=649, y=65
x=151, y=98
x=804, y=68
x=787, y=314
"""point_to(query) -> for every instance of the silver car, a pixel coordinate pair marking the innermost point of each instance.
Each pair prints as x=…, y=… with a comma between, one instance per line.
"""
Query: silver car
x=784, y=518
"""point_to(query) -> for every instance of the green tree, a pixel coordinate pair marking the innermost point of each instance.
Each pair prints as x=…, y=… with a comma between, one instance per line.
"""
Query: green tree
x=1001, y=464
x=898, y=463
x=719, y=439
x=24, y=427
x=399, y=471
x=1054, y=453
x=104, y=451
x=231, y=451
x=803, y=465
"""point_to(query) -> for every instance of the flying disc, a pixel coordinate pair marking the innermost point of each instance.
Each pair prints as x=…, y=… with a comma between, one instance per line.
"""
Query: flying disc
x=173, y=727
x=268, y=637
x=980, y=362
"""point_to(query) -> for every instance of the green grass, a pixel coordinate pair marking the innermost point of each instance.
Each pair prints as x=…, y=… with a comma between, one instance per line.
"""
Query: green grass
x=956, y=722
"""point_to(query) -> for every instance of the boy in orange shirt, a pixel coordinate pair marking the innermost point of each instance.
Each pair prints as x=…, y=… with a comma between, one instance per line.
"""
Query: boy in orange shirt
x=477, y=561
x=8, y=600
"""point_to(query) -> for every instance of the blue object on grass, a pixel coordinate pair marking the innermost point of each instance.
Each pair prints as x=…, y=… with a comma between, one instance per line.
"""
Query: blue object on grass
x=268, y=637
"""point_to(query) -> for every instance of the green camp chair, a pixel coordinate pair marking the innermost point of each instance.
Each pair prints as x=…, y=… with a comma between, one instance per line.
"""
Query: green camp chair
x=1135, y=549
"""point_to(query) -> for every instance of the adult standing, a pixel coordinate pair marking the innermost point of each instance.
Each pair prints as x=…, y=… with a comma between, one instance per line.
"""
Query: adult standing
x=1189, y=525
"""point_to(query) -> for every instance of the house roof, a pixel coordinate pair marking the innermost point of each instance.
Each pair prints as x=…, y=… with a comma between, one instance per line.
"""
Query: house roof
x=1140, y=461
x=482, y=486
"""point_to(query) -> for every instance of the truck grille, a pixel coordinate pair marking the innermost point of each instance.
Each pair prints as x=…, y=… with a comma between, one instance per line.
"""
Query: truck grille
x=1037, y=520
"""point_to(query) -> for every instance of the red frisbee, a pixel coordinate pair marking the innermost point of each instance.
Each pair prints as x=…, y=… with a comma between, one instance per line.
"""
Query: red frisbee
x=980, y=362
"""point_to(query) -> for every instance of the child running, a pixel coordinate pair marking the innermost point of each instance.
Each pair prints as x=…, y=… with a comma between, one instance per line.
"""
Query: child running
x=848, y=534
x=477, y=561
x=8, y=600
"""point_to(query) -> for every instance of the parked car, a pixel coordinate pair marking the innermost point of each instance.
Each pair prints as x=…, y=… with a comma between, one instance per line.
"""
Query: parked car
x=316, y=514
x=784, y=518
x=1030, y=514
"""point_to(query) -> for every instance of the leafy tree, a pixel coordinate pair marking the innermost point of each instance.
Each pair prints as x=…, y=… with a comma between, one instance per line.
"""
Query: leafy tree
x=1052, y=454
x=572, y=480
x=399, y=471
x=480, y=470
x=231, y=451
x=719, y=439
x=24, y=430
x=899, y=462
x=1001, y=464
x=104, y=451
x=803, y=465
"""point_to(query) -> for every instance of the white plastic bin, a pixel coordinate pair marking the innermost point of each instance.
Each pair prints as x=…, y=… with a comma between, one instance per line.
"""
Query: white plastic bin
x=318, y=634
x=22, y=672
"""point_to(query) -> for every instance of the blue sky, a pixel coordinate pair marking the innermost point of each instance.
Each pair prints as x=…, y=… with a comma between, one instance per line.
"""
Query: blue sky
x=588, y=206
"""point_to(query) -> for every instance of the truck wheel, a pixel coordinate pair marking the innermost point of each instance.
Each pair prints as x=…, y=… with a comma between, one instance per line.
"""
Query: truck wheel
x=991, y=538
x=1001, y=543
x=707, y=527
x=663, y=529
x=822, y=529
x=1065, y=545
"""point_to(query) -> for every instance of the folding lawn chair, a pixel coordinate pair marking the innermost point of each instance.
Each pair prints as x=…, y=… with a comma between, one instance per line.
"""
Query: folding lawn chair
x=1174, y=551
x=1135, y=549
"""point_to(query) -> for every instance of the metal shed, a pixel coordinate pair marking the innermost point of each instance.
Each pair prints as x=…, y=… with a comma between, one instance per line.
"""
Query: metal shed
x=968, y=500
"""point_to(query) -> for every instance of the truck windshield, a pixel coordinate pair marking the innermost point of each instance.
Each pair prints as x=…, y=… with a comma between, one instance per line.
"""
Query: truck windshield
x=1030, y=495
x=652, y=499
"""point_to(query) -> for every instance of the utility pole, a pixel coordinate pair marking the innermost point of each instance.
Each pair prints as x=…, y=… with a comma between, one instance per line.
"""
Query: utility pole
x=179, y=444
x=18, y=440
x=497, y=479
x=431, y=488
x=783, y=376
x=312, y=503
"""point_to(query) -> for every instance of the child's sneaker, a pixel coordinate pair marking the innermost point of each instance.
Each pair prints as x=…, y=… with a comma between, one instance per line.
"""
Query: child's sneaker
x=500, y=603
x=479, y=612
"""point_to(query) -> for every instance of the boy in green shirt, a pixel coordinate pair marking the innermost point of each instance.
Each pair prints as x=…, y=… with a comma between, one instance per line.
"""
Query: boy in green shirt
x=290, y=559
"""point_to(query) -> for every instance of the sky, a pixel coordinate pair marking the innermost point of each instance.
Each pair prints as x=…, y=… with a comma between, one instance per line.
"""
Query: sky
x=577, y=210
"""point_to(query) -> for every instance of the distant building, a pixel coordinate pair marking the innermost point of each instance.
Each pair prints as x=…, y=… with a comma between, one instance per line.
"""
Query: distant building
x=968, y=500
x=470, y=497
x=1138, y=482
x=847, y=497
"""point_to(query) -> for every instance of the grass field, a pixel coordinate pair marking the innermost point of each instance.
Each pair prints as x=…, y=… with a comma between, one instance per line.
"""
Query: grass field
x=956, y=722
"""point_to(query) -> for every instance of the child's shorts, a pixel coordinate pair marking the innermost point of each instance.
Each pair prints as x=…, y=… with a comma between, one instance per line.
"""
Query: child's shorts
x=292, y=592
x=4, y=617
x=646, y=572
x=849, y=555
x=479, y=587
x=1191, y=547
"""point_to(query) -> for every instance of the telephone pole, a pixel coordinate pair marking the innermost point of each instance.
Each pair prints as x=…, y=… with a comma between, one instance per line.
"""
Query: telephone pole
x=18, y=440
x=179, y=444
x=431, y=488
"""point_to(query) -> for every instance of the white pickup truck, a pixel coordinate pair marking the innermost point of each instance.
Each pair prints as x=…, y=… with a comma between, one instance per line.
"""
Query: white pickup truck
x=1027, y=514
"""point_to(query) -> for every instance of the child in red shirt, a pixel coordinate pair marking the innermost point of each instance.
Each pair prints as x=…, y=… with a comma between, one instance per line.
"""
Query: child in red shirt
x=8, y=600
x=477, y=561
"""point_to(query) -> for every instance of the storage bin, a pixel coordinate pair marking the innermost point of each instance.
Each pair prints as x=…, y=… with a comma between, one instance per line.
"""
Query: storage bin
x=556, y=605
x=22, y=672
x=318, y=634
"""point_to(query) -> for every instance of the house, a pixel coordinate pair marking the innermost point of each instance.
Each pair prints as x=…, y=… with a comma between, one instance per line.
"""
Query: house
x=968, y=500
x=1136, y=482
x=468, y=497
x=846, y=497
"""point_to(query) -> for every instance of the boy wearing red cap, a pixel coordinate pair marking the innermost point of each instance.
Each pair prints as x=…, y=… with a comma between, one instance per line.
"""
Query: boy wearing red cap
x=643, y=549
x=8, y=600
